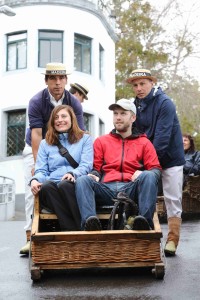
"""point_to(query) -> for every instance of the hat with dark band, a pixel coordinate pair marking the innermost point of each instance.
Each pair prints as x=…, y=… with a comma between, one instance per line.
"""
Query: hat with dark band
x=139, y=74
x=55, y=68
x=81, y=89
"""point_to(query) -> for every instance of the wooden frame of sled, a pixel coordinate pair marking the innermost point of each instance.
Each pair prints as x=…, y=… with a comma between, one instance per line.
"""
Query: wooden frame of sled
x=53, y=249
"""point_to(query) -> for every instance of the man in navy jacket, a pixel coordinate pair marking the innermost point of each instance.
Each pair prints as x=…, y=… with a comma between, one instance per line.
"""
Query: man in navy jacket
x=156, y=116
x=39, y=111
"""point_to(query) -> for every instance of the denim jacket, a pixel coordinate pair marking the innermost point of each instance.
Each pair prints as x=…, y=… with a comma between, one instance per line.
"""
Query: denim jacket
x=50, y=165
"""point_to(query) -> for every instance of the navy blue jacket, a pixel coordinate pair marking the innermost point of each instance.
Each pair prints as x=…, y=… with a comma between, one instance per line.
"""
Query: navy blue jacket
x=40, y=109
x=156, y=116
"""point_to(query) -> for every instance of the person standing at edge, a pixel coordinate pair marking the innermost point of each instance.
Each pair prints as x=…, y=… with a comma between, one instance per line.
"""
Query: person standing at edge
x=79, y=91
x=39, y=111
x=156, y=116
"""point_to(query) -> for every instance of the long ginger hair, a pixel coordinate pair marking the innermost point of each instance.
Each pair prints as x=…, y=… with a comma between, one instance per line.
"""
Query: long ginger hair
x=74, y=133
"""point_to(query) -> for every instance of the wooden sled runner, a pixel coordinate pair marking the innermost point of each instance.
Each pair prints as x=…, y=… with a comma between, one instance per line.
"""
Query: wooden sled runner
x=53, y=249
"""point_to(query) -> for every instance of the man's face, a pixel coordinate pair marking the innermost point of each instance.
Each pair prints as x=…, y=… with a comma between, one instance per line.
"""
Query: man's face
x=123, y=119
x=142, y=87
x=56, y=85
x=80, y=97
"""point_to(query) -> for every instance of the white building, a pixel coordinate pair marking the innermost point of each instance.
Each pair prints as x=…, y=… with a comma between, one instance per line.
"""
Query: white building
x=77, y=33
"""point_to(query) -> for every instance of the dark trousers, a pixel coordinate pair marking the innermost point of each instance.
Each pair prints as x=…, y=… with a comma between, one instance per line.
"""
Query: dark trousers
x=61, y=199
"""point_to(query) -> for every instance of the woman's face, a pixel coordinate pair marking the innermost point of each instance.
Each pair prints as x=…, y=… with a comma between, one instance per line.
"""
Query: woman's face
x=186, y=143
x=62, y=122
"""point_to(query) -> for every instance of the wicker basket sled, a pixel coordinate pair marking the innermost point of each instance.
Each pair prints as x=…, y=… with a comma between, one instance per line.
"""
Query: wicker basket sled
x=53, y=249
x=190, y=201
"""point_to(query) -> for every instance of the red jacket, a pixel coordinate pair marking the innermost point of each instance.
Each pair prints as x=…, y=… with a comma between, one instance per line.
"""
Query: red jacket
x=117, y=159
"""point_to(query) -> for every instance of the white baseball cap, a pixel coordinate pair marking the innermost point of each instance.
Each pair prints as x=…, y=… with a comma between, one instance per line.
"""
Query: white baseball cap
x=125, y=104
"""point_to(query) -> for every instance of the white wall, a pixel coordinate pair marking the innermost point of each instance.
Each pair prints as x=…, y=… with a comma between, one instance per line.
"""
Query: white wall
x=17, y=87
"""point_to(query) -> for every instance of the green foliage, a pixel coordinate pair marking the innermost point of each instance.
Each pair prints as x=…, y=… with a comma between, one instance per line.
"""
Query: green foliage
x=185, y=93
x=144, y=43
x=138, y=45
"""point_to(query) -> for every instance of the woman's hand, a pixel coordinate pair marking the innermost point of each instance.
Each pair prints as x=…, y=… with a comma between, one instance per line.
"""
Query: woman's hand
x=35, y=186
x=69, y=177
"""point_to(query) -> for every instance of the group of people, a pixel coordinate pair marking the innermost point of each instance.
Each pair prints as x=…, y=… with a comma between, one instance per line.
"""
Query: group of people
x=145, y=145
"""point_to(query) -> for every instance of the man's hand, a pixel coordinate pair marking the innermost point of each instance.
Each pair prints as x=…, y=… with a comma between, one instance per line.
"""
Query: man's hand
x=94, y=177
x=135, y=175
x=69, y=177
x=35, y=186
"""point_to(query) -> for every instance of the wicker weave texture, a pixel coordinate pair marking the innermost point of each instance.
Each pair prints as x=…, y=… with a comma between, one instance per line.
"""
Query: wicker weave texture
x=190, y=199
x=96, y=251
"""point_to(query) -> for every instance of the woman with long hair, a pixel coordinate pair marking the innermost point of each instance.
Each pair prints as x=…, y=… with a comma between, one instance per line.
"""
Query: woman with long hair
x=54, y=175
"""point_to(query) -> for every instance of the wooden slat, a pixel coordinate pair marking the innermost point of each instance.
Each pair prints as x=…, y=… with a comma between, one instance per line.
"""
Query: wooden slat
x=35, y=223
x=48, y=217
x=54, y=217
x=141, y=264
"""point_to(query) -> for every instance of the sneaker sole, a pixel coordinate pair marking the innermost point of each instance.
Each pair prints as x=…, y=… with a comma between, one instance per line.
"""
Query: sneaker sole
x=92, y=224
x=169, y=253
x=140, y=224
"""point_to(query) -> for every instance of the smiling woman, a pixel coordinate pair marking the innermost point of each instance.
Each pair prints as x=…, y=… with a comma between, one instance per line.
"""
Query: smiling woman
x=54, y=174
x=62, y=121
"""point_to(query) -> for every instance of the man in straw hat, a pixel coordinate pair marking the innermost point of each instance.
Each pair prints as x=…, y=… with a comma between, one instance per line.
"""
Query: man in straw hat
x=79, y=91
x=156, y=116
x=124, y=161
x=39, y=110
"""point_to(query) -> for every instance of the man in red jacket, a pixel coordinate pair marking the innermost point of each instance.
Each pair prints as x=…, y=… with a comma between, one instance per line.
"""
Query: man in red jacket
x=124, y=161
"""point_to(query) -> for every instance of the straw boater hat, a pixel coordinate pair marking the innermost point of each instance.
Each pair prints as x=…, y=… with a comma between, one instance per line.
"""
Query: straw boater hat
x=55, y=68
x=141, y=73
x=80, y=88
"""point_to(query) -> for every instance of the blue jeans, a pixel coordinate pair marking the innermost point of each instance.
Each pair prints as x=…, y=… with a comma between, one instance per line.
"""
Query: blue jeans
x=143, y=191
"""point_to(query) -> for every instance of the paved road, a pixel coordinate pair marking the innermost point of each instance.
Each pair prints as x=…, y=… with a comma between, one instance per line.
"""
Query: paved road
x=181, y=280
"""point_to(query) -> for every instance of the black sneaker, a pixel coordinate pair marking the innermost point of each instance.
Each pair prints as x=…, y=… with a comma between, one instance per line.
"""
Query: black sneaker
x=141, y=223
x=92, y=224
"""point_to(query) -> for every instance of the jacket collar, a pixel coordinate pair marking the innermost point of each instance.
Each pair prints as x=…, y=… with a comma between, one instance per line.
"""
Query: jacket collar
x=142, y=103
x=135, y=134
x=63, y=136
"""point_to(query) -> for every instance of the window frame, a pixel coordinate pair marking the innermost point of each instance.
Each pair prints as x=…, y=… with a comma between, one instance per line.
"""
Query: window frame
x=4, y=131
x=101, y=62
x=51, y=40
x=78, y=40
x=15, y=42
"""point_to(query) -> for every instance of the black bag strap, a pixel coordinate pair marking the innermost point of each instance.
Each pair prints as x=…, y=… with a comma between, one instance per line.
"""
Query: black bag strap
x=65, y=153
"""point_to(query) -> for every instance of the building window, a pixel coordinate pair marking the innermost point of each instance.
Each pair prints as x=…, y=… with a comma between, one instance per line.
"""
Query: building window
x=101, y=127
x=101, y=62
x=16, y=51
x=16, y=124
x=82, y=54
x=87, y=122
x=50, y=47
